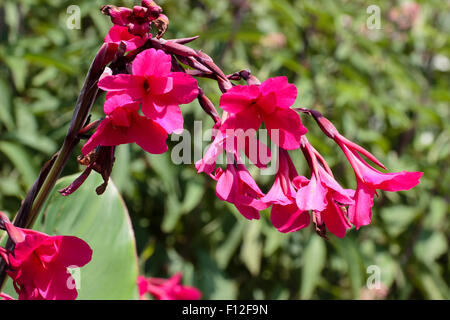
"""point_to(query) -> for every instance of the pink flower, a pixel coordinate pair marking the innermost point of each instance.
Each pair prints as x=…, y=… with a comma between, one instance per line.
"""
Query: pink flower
x=118, y=34
x=322, y=193
x=167, y=289
x=159, y=90
x=38, y=264
x=369, y=179
x=123, y=124
x=285, y=215
x=236, y=185
x=250, y=105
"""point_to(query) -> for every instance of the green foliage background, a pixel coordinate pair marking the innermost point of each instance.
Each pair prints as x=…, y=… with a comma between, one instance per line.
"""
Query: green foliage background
x=386, y=89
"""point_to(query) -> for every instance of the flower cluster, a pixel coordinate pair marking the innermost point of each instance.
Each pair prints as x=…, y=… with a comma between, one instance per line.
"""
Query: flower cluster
x=167, y=289
x=292, y=197
x=145, y=88
x=38, y=263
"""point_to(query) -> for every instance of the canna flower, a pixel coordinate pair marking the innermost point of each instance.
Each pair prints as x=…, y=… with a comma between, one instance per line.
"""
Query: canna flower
x=167, y=289
x=368, y=179
x=159, y=90
x=322, y=193
x=118, y=34
x=38, y=264
x=123, y=124
x=250, y=105
x=285, y=215
x=236, y=185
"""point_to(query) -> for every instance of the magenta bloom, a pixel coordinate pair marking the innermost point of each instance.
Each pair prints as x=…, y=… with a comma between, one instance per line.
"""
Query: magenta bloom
x=38, y=265
x=123, y=124
x=159, y=90
x=167, y=289
x=118, y=34
x=285, y=215
x=322, y=193
x=369, y=179
x=248, y=106
x=236, y=185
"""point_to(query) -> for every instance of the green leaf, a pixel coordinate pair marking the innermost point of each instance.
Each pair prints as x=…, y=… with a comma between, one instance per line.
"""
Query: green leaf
x=251, y=250
x=314, y=261
x=103, y=222
x=20, y=158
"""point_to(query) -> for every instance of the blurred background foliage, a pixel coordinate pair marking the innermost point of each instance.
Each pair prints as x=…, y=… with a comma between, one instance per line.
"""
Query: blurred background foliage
x=386, y=89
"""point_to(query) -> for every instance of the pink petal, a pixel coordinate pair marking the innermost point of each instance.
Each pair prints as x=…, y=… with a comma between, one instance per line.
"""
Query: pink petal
x=106, y=135
x=160, y=85
x=132, y=85
x=285, y=128
x=152, y=62
x=360, y=214
x=246, y=119
x=312, y=196
x=335, y=220
x=245, y=177
x=73, y=251
x=184, y=90
x=167, y=116
x=248, y=212
x=239, y=98
x=289, y=218
x=118, y=33
x=225, y=185
x=187, y=293
x=149, y=135
x=119, y=100
x=285, y=93
x=276, y=195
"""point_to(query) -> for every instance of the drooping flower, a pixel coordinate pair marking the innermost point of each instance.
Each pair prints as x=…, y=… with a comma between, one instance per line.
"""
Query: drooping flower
x=322, y=194
x=123, y=124
x=368, y=180
x=118, y=34
x=38, y=264
x=285, y=215
x=159, y=90
x=167, y=289
x=236, y=185
x=250, y=105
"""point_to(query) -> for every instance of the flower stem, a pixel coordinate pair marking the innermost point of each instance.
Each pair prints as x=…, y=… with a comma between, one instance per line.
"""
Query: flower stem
x=41, y=189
